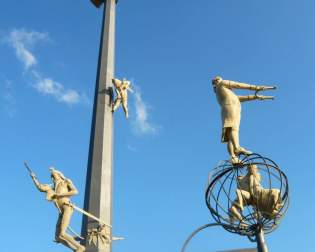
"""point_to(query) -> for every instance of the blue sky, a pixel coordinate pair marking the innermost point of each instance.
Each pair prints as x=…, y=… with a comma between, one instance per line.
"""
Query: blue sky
x=163, y=154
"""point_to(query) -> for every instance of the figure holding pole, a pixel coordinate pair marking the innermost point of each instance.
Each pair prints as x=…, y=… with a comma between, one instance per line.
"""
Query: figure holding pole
x=60, y=192
x=231, y=111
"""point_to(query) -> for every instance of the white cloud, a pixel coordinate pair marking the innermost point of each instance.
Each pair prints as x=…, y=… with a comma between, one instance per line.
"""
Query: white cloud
x=141, y=122
x=47, y=86
x=70, y=97
x=22, y=41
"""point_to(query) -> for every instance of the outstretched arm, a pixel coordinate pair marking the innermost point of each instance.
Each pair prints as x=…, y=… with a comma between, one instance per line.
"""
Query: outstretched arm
x=244, y=98
x=116, y=82
x=254, y=97
x=237, y=85
x=240, y=85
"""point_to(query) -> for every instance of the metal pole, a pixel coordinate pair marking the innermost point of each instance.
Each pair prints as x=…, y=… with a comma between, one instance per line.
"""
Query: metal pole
x=98, y=189
x=260, y=239
x=197, y=231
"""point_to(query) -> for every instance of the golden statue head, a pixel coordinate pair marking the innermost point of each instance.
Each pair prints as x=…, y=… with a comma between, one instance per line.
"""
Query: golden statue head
x=55, y=174
x=253, y=170
x=216, y=80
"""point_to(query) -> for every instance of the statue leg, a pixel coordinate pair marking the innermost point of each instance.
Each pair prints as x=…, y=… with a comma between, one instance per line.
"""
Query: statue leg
x=116, y=104
x=230, y=148
x=125, y=107
x=234, y=214
x=58, y=237
x=62, y=236
x=243, y=198
x=234, y=158
x=236, y=143
x=57, y=232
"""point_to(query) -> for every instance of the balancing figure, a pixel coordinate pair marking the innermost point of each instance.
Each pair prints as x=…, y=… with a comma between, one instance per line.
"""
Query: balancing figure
x=231, y=111
x=60, y=193
x=250, y=192
x=121, y=88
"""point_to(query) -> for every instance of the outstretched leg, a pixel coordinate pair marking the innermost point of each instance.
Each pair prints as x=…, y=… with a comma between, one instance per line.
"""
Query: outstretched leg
x=61, y=234
x=125, y=107
x=234, y=214
x=116, y=104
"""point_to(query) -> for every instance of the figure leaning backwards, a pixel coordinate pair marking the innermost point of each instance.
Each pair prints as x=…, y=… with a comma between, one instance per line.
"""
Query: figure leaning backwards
x=231, y=111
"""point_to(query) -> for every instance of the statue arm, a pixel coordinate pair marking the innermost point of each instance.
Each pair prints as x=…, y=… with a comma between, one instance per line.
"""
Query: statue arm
x=116, y=82
x=254, y=97
x=247, y=98
x=117, y=92
x=39, y=186
x=239, y=85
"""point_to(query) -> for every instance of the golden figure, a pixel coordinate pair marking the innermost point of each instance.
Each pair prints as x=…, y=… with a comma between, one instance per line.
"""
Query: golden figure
x=231, y=111
x=60, y=193
x=250, y=193
x=121, y=88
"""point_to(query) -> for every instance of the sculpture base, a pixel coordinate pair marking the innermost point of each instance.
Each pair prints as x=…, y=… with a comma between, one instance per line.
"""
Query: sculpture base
x=260, y=239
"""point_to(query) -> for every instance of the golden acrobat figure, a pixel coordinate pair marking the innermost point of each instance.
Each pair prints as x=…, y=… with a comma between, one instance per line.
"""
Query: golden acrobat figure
x=231, y=111
x=121, y=88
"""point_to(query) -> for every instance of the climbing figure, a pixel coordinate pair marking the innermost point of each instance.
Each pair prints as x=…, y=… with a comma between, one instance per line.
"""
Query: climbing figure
x=121, y=88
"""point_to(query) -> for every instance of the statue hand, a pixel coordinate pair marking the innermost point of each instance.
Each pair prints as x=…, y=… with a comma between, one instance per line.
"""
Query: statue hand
x=259, y=97
x=54, y=196
x=262, y=88
x=32, y=174
x=263, y=97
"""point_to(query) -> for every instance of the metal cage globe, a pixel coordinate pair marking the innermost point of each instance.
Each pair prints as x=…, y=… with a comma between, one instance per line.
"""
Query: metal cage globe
x=226, y=191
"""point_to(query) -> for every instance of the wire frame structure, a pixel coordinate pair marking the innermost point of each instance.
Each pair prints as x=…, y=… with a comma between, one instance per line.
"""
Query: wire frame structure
x=221, y=194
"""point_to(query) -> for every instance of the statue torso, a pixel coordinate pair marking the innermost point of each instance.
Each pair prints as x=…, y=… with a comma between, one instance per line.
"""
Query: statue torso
x=226, y=97
x=60, y=188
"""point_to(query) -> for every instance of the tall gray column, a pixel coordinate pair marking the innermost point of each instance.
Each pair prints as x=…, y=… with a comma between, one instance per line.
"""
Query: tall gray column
x=98, y=190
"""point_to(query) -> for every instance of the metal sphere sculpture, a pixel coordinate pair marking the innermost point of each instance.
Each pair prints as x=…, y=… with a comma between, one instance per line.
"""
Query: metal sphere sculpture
x=248, y=196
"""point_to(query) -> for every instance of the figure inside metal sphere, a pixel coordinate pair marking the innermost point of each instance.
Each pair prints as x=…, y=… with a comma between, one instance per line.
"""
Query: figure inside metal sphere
x=249, y=192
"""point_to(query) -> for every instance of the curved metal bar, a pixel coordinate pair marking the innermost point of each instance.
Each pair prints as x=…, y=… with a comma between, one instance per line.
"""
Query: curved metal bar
x=200, y=229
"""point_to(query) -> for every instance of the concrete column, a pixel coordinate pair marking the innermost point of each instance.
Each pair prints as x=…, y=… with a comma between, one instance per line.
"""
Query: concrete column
x=99, y=177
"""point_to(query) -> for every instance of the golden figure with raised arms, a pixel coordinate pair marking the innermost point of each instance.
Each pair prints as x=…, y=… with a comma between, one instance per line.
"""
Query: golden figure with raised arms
x=60, y=192
x=121, y=88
